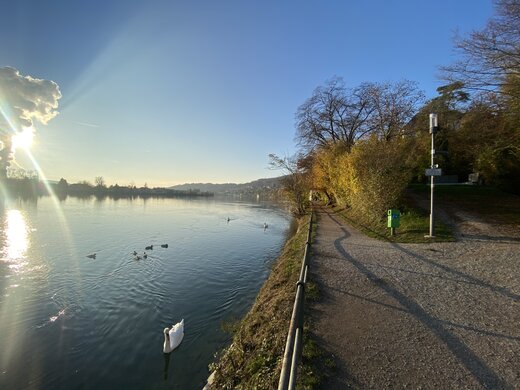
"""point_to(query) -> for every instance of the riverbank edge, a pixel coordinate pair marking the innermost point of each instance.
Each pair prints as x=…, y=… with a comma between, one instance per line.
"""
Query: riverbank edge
x=254, y=357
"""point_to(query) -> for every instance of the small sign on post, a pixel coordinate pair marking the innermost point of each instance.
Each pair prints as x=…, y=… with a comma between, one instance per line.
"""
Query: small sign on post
x=433, y=172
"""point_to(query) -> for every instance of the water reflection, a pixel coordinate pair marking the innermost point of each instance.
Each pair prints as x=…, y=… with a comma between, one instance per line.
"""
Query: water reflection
x=166, y=364
x=15, y=243
x=77, y=308
x=16, y=238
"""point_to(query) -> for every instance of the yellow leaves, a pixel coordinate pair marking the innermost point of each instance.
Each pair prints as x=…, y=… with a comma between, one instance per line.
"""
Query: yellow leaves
x=370, y=178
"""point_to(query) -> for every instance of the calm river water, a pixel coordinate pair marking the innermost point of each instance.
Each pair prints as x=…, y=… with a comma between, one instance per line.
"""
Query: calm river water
x=72, y=322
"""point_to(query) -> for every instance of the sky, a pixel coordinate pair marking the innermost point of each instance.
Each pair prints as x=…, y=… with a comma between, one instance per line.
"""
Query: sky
x=171, y=92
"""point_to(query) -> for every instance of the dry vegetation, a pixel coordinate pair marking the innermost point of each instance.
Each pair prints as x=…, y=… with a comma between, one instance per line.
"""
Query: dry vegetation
x=254, y=358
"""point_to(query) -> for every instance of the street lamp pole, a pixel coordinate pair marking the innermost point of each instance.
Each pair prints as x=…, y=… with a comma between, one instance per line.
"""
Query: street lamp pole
x=433, y=129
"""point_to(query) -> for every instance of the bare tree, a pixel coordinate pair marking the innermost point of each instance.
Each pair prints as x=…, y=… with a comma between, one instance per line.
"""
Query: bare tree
x=333, y=114
x=317, y=117
x=393, y=106
x=100, y=181
x=491, y=57
x=294, y=182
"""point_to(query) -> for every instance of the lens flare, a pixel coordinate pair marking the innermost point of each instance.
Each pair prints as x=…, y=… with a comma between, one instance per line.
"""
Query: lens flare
x=17, y=237
x=23, y=139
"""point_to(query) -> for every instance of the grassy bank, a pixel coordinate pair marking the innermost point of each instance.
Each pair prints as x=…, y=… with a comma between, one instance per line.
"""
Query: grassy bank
x=486, y=203
x=415, y=224
x=254, y=358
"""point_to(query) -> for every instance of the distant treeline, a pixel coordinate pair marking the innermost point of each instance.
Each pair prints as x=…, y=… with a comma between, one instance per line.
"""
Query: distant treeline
x=32, y=187
x=264, y=189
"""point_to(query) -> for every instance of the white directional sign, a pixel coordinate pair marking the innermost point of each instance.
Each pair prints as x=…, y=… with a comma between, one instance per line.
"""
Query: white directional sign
x=433, y=172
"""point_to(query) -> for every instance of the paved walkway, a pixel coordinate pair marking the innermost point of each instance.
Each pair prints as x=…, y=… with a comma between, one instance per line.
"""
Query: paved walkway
x=440, y=315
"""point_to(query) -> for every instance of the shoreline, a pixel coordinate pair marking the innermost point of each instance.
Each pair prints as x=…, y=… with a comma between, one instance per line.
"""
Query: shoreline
x=254, y=356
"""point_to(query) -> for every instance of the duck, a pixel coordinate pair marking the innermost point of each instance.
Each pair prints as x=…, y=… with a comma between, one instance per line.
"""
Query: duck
x=149, y=248
x=265, y=225
x=164, y=245
x=92, y=256
x=138, y=257
x=135, y=253
x=145, y=255
x=173, y=336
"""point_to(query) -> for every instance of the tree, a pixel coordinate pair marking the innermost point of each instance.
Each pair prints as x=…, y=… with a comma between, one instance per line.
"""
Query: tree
x=99, y=181
x=450, y=105
x=333, y=114
x=318, y=165
x=487, y=143
x=491, y=63
x=376, y=173
x=491, y=57
x=294, y=182
x=393, y=106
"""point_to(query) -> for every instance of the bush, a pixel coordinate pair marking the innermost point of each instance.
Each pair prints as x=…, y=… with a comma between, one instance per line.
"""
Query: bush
x=373, y=176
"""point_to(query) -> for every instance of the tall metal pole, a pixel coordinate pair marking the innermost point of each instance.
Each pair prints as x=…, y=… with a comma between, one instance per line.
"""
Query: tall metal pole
x=433, y=130
x=432, y=185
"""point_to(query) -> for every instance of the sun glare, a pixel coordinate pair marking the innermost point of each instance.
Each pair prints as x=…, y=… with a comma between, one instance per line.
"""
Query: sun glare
x=24, y=139
x=17, y=236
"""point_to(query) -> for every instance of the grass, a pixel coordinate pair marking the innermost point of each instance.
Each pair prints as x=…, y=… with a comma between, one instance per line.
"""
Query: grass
x=316, y=365
x=254, y=358
x=487, y=203
x=415, y=224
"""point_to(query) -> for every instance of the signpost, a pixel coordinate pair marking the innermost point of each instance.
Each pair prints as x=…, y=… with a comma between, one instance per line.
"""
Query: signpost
x=434, y=171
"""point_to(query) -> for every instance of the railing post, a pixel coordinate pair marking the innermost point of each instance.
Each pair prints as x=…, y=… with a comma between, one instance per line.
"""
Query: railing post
x=298, y=338
x=293, y=346
x=284, y=374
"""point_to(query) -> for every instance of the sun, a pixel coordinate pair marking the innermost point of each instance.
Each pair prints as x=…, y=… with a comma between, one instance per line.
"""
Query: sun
x=23, y=139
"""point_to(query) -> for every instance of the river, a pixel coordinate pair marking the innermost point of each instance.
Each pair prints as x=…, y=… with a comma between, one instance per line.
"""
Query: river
x=68, y=321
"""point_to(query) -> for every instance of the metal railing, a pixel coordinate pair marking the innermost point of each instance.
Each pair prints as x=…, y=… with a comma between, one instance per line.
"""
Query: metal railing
x=293, y=346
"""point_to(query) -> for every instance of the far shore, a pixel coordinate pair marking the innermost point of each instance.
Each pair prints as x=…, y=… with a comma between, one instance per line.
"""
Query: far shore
x=27, y=188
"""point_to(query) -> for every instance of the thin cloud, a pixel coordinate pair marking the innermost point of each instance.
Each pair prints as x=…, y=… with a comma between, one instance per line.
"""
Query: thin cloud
x=87, y=124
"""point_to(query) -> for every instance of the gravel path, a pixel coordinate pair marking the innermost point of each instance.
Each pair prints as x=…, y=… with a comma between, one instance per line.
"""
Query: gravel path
x=440, y=315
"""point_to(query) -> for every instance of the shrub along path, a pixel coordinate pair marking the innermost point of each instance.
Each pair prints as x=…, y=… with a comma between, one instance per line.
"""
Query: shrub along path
x=439, y=315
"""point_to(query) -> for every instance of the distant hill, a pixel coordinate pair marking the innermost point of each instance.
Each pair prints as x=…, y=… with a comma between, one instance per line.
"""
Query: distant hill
x=254, y=187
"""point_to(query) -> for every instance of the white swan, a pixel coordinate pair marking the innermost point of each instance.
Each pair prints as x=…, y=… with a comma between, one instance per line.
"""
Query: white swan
x=173, y=336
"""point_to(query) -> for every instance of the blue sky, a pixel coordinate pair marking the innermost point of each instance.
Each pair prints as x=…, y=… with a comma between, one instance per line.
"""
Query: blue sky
x=167, y=92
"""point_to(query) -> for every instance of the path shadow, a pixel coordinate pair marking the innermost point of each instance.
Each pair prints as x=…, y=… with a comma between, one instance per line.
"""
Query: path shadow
x=470, y=328
x=486, y=237
x=337, y=376
x=427, y=274
x=471, y=279
x=474, y=364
